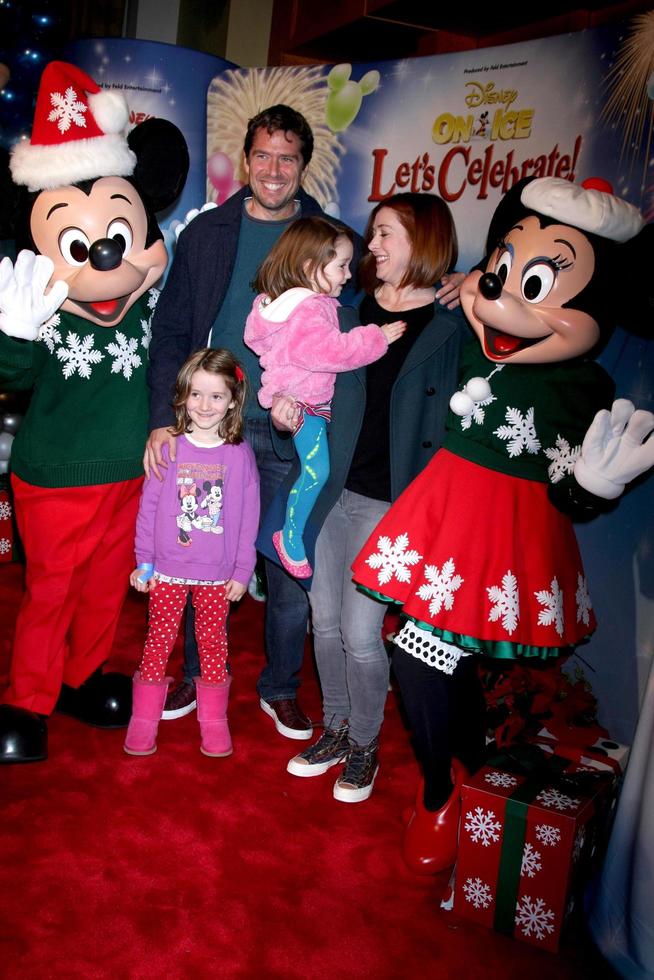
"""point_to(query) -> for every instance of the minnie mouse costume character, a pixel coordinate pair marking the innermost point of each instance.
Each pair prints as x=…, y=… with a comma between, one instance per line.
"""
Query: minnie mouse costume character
x=480, y=549
x=84, y=205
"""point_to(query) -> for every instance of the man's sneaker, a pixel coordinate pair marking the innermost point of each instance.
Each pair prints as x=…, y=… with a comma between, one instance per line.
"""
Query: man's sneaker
x=288, y=717
x=330, y=749
x=357, y=779
x=180, y=701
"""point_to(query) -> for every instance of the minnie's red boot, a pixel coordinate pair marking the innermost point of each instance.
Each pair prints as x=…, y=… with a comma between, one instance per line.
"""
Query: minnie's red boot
x=431, y=838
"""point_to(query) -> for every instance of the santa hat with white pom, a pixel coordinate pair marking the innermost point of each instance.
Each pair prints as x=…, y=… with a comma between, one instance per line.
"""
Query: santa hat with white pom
x=78, y=133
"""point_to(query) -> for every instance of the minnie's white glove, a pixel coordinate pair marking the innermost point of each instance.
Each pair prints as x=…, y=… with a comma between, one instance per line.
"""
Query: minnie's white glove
x=178, y=226
x=615, y=449
x=24, y=303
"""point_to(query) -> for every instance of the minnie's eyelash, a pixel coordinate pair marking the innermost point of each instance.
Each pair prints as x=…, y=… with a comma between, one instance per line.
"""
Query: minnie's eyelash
x=560, y=263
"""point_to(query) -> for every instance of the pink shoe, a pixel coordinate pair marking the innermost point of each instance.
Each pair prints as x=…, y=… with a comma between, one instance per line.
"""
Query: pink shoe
x=298, y=569
x=212, y=715
x=148, y=699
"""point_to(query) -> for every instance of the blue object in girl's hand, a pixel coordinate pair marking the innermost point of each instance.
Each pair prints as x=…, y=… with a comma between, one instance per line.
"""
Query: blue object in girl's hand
x=147, y=571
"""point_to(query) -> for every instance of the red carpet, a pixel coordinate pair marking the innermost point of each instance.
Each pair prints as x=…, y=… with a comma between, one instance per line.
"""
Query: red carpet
x=180, y=866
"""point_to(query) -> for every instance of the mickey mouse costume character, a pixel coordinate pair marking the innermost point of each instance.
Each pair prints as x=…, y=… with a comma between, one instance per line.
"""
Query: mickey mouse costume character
x=85, y=202
x=480, y=549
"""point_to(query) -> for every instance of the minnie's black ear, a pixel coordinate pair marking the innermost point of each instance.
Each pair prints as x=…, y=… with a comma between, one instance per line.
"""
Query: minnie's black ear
x=162, y=161
x=10, y=196
x=636, y=307
x=507, y=212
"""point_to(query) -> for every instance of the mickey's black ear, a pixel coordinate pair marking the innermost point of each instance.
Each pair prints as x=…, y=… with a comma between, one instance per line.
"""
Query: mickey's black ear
x=162, y=161
x=10, y=196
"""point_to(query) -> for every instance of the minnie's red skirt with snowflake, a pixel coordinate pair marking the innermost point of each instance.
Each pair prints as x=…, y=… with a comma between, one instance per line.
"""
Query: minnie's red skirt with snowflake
x=483, y=559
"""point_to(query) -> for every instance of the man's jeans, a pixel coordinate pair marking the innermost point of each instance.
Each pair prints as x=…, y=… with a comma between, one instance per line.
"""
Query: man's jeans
x=287, y=606
x=350, y=653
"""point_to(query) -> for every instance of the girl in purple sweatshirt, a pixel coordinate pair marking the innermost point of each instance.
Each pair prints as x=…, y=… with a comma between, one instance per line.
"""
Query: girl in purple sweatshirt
x=195, y=532
x=293, y=327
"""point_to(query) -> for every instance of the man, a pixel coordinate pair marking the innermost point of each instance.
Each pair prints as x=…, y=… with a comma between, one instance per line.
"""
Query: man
x=205, y=302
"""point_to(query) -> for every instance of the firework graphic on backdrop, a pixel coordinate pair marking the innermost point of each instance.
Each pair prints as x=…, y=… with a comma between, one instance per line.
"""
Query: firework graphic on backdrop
x=240, y=94
x=631, y=83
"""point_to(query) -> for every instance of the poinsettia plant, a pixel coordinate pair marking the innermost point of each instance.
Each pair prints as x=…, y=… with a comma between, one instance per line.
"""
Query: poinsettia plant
x=522, y=700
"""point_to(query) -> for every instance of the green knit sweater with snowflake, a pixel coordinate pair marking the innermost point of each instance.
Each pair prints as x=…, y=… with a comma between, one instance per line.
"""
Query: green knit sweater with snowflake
x=87, y=418
x=534, y=421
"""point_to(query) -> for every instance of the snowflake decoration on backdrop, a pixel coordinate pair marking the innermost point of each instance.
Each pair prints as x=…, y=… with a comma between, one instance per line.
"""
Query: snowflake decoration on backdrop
x=477, y=892
x=49, y=334
x=582, y=598
x=578, y=846
x=482, y=826
x=505, y=602
x=501, y=779
x=5, y=546
x=520, y=433
x=78, y=356
x=534, y=918
x=530, y=861
x=442, y=586
x=548, y=835
x=67, y=110
x=556, y=799
x=124, y=354
x=5, y=510
x=393, y=559
x=552, y=615
x=563, y=459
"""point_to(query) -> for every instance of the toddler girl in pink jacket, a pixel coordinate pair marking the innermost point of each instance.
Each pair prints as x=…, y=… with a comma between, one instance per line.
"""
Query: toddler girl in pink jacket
x=293, y=328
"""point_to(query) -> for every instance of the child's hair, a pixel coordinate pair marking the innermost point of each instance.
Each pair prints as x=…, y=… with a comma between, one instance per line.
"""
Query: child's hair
x=214, y=361
x=299, y=256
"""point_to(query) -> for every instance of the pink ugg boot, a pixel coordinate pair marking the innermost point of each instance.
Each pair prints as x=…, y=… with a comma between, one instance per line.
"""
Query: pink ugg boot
x=212, y=715
x=148, y=699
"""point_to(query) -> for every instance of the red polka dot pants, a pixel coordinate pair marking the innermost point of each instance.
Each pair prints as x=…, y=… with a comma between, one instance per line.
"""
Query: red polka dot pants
x=167, y=603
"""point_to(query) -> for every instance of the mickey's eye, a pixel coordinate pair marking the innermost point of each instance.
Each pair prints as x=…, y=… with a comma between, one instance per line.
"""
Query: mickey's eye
x=74, y=246
x=537, y=281
x=121, y=233
x=503, y=266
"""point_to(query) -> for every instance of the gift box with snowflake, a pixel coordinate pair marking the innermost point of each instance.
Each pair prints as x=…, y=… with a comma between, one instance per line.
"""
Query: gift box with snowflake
x=529, y=825
x=6, y=527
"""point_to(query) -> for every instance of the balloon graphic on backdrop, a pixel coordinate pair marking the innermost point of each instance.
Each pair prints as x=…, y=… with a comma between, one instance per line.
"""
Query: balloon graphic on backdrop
x=220, y=172
x=345, y=97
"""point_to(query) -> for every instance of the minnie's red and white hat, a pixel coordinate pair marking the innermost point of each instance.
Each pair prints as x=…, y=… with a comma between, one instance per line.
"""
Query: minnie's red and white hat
x=78, y=133
x=590, y=206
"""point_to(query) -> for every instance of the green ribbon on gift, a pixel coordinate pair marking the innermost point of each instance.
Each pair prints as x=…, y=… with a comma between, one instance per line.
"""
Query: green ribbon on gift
x=540, y=769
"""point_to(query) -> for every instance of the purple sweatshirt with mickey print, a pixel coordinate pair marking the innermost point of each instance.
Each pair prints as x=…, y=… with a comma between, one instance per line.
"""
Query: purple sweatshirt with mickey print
x=201, y=521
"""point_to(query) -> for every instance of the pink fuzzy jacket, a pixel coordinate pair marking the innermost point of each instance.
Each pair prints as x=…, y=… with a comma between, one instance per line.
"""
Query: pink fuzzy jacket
x=301, y=347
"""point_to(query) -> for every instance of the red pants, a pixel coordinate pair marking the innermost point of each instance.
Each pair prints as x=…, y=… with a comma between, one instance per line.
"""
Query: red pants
x=79, y=546
x=167, y=602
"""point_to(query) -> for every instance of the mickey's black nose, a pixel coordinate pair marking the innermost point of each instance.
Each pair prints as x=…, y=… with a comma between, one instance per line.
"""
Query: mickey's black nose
x=490, y=286
x=105, y=254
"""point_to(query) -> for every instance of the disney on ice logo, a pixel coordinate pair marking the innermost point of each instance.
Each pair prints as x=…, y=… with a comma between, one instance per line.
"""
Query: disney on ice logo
x=505, y=124
x=497, y=120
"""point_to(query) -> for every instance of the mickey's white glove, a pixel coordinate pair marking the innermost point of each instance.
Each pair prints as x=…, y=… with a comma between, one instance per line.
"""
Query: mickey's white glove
x=178, y=226
x=24, y=304
x=615, y=449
